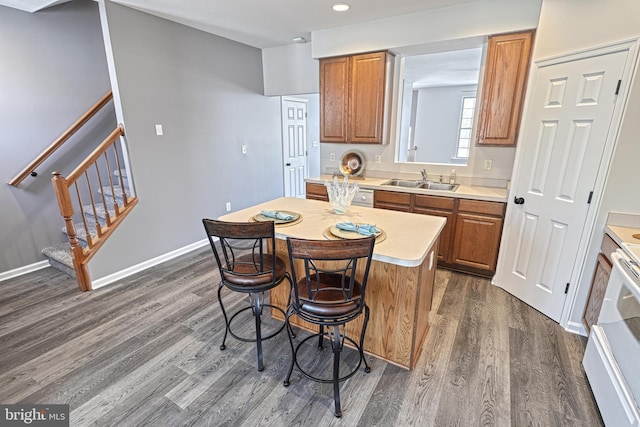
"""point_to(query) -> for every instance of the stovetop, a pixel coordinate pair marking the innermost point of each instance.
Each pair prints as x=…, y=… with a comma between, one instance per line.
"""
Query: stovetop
x=633, y=250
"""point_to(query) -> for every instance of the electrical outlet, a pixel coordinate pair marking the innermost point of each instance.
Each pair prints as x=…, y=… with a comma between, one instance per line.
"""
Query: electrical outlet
x=488, y=165
x=244, y=149
x=159, y=131
x=377, y=159
x=332, y=157
x=228, y=206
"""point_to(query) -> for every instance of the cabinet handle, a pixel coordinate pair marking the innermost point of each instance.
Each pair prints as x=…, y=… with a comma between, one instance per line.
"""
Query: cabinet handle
x=288, y=164
x=518, y=200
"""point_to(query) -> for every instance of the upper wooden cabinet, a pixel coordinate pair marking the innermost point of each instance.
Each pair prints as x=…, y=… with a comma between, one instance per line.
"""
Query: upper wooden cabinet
x=354, y=97
x=503, y=88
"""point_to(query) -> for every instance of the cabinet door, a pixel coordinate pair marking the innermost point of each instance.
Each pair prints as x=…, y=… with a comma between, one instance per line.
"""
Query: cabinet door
x=503, y=88
x=334, y=99
x=366, y=102
x=596, y=294
x=477, y=241
x=392, y=200
x=445, y=236
x=317, y=192
x=442, y=207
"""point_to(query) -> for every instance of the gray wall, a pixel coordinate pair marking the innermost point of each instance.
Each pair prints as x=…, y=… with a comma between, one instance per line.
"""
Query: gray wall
x=206, y=91
x=53, y=68
x=437, y=122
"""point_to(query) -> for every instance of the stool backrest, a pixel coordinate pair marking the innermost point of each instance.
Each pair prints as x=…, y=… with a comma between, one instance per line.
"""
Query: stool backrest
x=315, y=259
x=237, y=240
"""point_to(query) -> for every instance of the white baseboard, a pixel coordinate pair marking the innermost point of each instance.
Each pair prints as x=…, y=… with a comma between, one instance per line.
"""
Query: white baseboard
x=576, y=328
x=104, y=281
x=23, y=270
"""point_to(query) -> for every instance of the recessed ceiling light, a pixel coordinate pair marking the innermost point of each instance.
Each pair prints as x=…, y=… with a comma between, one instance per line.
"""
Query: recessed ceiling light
x=341, y=7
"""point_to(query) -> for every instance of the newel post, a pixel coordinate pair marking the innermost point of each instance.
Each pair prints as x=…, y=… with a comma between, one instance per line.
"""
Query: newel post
x=61, y=190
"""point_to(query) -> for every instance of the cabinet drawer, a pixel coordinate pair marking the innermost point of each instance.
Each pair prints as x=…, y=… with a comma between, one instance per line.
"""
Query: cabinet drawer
x=608, y=246
x=363, y=198
x=317, y=192
x=482, y=207
x=393, y=197
x=434, y=202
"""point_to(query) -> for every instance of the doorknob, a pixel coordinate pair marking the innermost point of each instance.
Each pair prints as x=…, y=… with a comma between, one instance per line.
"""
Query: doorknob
x=518, y=200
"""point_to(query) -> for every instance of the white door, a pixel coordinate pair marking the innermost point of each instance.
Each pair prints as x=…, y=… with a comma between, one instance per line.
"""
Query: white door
x=294, y=146
x=561, y=148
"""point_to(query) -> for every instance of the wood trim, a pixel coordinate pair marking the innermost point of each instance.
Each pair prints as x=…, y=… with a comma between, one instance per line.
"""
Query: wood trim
x=99, y=151
x=61, y=139
x=61, y=185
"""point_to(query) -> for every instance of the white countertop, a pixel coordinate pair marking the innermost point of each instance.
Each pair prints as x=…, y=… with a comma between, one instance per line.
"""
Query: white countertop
x=490, y=194
x=409, y=236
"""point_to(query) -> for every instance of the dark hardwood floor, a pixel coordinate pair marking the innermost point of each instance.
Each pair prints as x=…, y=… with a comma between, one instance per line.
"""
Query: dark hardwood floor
x=146, y=352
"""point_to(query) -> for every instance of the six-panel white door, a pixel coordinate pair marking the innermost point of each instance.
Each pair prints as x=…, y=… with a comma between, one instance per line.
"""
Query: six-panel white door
x=560, y=151
x=294, y=149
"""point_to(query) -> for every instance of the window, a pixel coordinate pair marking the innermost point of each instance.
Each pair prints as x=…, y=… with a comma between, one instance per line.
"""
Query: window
x=466, y=126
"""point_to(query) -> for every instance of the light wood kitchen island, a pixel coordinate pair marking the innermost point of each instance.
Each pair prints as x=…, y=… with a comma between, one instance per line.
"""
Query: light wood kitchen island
x=401, y=276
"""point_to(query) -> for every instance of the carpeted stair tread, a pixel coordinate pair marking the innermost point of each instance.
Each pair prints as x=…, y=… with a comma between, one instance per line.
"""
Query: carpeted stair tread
x=100, y=210
x=60, y=258
x=117, y=190
x=81, y=233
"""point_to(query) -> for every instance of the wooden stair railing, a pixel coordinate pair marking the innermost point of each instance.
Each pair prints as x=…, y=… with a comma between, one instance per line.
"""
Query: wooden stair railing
x=31, y=167
x=84, y=199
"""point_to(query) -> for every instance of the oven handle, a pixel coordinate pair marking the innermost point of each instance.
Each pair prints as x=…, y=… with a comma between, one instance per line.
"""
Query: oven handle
x=630, y=281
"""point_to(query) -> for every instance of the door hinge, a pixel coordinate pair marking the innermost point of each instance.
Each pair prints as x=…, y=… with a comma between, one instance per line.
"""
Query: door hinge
x=566, y=289
x=590, y=196
x=618, y=87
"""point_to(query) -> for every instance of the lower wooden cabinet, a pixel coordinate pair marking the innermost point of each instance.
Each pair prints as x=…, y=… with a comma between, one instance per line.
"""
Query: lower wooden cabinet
x=443, y=207
x=317, y=192
x=599, y=282
x=477, y=236
x=392, y=200
x=470, y=239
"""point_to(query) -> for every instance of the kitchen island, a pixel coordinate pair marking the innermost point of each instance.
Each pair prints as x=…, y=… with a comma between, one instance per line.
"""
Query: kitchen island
x=401, y=276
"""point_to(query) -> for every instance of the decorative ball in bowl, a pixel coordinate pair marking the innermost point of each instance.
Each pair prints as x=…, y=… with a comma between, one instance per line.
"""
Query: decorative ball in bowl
x=341, y=194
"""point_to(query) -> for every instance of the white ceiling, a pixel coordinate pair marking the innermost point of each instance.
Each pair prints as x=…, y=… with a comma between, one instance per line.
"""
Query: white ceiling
x=452, y=68
x=262, y=23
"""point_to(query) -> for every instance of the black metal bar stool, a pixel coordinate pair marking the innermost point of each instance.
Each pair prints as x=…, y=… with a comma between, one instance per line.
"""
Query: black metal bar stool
x=248, y=264
x=327, y=293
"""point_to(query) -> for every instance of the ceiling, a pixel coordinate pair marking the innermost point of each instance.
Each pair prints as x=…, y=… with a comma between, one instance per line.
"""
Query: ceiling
x=262, y=23
x=450, y=68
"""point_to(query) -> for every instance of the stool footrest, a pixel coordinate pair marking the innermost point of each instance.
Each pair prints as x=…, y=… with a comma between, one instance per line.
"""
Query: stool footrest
x=323, y=380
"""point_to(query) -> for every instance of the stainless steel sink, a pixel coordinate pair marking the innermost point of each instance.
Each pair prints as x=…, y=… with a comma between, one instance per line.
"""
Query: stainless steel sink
x=427, y=185
x=430, y=185
x=403, y=183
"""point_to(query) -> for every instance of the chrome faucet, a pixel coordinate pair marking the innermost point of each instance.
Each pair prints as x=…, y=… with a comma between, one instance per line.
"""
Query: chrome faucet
x=424, y=174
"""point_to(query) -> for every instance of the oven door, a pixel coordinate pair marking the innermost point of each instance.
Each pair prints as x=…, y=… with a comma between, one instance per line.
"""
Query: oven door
x=612, y=357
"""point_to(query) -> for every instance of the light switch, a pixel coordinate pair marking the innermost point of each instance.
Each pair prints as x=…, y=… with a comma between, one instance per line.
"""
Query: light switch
x=244, y=149
x=488, y=165
x=159, y=130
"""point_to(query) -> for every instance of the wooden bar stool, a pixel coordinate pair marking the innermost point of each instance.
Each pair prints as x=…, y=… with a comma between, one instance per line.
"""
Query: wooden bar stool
x=327, y=293
x=248, y=264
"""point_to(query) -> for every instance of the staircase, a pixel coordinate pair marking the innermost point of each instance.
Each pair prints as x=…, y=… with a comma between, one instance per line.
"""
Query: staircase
x=90, y=198
x=59, y=255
